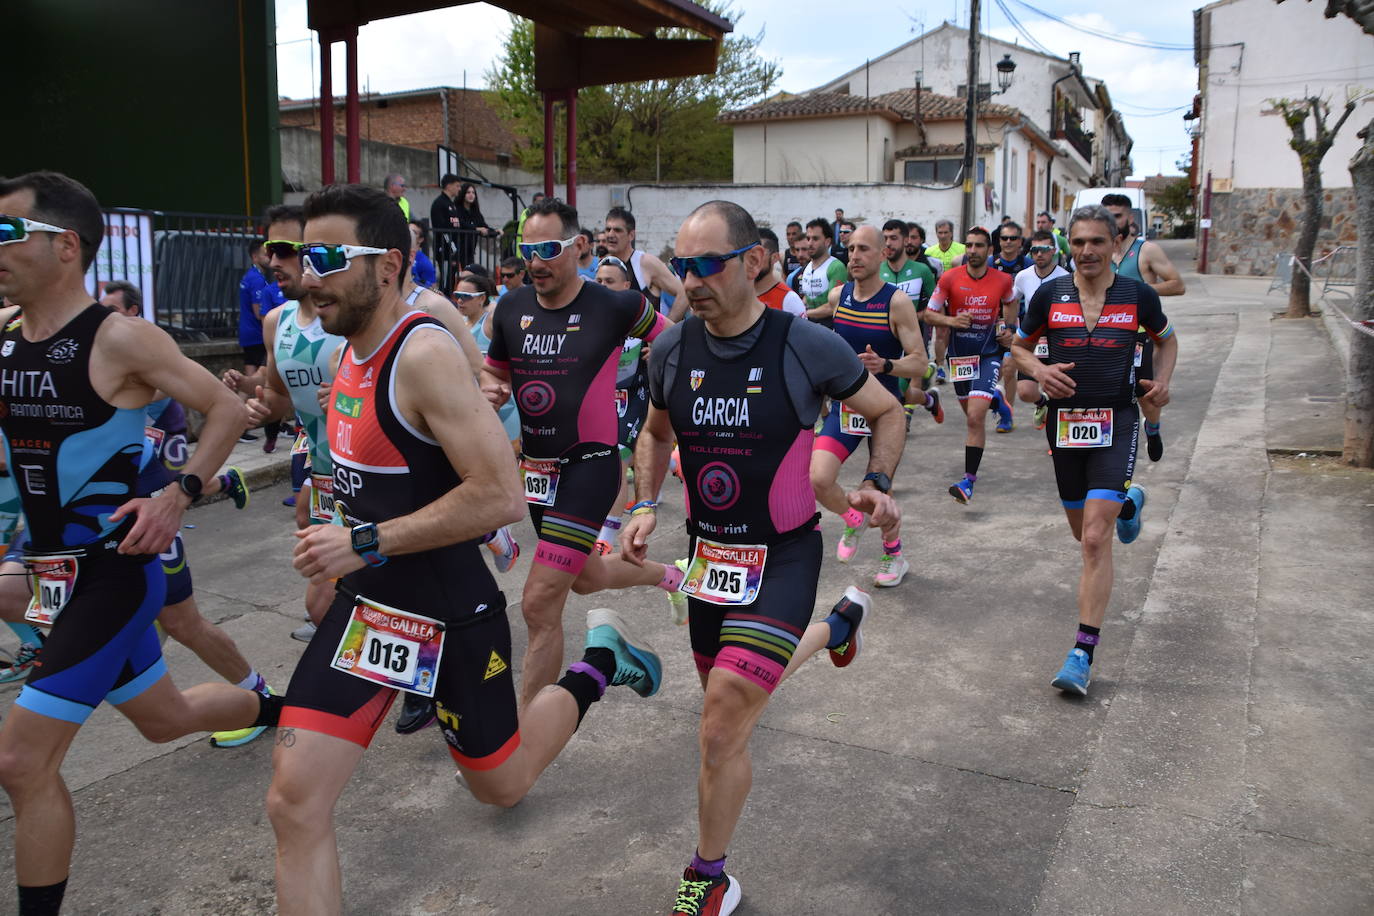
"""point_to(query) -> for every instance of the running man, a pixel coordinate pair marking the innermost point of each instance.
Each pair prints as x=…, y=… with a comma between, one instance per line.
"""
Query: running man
x=421, y=471
x=879, y=323
x=648, y=274
x=821, y=274
x=771, y=291
x=915, y=278
x=1091, y=321
x=556, y=345
x=981, y=307
x=1044, y=254
x=75, y=383
x=948, y=253
x=1144, y=262
x=741, y=386
x=1011, y=261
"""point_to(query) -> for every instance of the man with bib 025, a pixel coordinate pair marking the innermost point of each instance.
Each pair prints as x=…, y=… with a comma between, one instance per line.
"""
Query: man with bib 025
x=1090, y=320
x=741, y=386
x=422, y=470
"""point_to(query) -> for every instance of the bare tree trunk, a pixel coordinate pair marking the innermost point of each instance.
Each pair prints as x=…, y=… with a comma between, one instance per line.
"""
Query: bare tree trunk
x=1299, y=292
x=1359, y=404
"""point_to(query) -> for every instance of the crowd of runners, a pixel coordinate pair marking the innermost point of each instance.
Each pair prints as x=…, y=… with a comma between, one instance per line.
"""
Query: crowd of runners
x=431, y=420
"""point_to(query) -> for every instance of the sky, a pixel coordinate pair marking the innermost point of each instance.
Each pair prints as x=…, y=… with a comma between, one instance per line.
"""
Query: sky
x=456, y=46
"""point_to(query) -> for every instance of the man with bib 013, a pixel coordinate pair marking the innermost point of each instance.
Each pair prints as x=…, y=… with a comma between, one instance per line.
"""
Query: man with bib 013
x=1091, y=320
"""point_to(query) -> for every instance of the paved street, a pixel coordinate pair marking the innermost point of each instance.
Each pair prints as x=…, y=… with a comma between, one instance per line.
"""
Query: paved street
x=1222, y=762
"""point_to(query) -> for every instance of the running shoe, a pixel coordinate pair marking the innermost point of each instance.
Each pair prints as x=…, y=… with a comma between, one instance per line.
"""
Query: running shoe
x=908, y=409
x=1004, y=419
x=935, y=409
x=1128, y=530
x=1076, y=674
x=891, y=571
x=928, y=376
x=269, y=444
x=698, y=895
x=962, y=491
x=246, y=436
x=1154, y=446
x=19, y=667
x=417, y=713
x=849, y=543
x=940, y=375
x=305, y=632
x=602, y=548
x=240, y=736
x=237, y=488
x=853, y=606
x=505, y=548
x=637, y=665
x=290, y=501
x=1042, y=413
x=678, y=600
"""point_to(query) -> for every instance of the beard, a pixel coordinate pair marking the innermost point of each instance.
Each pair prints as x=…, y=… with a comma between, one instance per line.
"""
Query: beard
x=355, y=306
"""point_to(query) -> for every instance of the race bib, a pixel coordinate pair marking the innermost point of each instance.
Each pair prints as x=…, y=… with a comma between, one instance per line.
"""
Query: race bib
x=622, y=402
x=155, y=436
x=302, y=444
x=53, y=580
x=852, y=423
x=391, y=647
x=1139, y=354
x=1042, y=349
x=725, y=573
x=541, y=480
x=322, y=497
x=964, y=368
x=1085, y=427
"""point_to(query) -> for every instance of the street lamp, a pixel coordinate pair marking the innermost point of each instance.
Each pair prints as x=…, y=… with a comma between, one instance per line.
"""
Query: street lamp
x=1005, y=68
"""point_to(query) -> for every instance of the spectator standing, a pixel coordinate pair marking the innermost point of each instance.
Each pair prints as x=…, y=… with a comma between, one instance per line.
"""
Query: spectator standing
x=395, y=187
x=470, y=221
x=443, y=219
x=257, y=296
x=421, y=267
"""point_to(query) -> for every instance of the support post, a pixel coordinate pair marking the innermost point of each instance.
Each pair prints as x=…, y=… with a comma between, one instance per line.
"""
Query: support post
x=548, y=143
x=971, y=118
x=326, y=109
x=352, y=129
x=571, y=142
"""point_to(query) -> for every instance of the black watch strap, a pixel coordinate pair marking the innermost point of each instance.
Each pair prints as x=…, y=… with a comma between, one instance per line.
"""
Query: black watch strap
x=880, y=480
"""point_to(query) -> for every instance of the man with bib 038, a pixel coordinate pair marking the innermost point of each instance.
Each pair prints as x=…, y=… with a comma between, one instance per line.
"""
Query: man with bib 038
x=1090, y=320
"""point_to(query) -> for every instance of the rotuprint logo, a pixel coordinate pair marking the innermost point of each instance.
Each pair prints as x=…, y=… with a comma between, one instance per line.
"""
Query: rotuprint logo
x=63, y=352
x=698, y=376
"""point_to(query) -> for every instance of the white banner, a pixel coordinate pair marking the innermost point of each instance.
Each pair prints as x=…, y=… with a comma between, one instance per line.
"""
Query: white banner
x=126, y=254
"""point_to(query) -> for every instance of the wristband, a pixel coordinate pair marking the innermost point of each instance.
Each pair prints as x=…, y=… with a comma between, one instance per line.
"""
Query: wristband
x=643, y=507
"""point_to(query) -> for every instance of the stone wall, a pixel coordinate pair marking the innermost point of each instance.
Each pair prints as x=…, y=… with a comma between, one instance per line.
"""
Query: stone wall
x=1251, y=226
x=216, y=356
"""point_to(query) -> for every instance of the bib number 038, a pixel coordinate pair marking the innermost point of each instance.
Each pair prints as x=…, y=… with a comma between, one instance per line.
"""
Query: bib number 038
x=541, y=481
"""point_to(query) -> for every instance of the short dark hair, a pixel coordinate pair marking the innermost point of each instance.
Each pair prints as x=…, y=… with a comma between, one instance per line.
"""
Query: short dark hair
x=913, y=226
x=1046, y=214
x=587, y=234
x=448, y=179
x=847, y=222
x=477, y=269
x=254, y=246
x=979, y=230
x=1095, y=213
x=133, y=296
x=896, y=224
x=513, y=263
x=1012, y=224
x=1116, y=200
x=769, y=238
x=538, y=196
x=740, y=228
x=823, y=224
x=64, y=202
x=1042, y=235
x=794, y=222
x=625, y=216
x=380, y=223
x=424, y=234
x=552, y=206
x=484, y=284
x=283, y=213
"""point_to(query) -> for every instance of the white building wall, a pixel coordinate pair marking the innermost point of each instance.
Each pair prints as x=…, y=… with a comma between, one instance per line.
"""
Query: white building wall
x=814, y=149
x=1290, y=51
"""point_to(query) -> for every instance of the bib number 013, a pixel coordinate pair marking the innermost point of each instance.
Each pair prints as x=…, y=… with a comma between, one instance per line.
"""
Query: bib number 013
x=391, y=647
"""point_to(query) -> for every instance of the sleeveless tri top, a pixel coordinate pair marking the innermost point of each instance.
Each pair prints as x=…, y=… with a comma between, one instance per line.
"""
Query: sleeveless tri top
x=745, y=457
x=74, y=456
x=1129, y=265
x=869, y=324
x=305, y=361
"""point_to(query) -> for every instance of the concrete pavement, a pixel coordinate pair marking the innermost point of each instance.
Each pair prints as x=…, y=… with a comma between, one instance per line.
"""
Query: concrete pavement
x=1221, y=762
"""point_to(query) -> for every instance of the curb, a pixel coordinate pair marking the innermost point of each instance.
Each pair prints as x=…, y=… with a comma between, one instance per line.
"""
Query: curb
x=264, y=475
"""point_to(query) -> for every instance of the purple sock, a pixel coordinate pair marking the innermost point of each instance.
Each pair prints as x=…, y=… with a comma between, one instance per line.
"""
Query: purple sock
x=894, y=549
x=591, y=672
x=708, y=869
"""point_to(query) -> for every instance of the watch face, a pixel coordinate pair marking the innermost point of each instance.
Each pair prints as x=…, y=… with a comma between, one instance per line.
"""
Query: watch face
x=364, y=536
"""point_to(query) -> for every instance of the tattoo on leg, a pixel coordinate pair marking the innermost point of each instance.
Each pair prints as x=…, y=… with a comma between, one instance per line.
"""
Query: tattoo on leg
x=286, y=737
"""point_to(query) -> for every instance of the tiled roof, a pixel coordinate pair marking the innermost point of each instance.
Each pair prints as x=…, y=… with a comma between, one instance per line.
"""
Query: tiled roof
x=897, y=105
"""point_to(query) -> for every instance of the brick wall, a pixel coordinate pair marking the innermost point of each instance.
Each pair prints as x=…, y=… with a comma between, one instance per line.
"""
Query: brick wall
x=1250, y=226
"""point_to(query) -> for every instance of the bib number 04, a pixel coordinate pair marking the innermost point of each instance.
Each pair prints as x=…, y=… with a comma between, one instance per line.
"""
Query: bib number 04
x=53, y=579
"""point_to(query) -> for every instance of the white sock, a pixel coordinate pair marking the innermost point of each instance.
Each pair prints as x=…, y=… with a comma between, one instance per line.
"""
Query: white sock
x=610, y=529
x=251, y=681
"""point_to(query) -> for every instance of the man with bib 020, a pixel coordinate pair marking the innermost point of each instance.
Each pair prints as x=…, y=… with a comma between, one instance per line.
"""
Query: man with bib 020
x=1090, y=320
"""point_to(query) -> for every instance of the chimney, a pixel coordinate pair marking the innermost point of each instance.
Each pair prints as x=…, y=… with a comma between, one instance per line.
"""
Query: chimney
x=1074, y=58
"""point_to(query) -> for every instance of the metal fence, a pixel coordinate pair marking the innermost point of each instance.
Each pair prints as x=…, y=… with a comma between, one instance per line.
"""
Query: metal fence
x=453, y=249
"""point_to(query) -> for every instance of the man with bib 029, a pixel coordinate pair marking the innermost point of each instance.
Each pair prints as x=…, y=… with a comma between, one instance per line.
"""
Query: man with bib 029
x=422, y=470
x=1090, y=320
x=741, y=386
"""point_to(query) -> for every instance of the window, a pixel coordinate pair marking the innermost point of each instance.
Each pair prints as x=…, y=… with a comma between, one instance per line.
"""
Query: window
x=939, y=171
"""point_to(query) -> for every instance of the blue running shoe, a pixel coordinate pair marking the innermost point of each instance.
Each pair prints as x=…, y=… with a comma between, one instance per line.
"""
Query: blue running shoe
x=940, y=375
x=637, y=665
x=1076, y=674
x=1004, y=424
x=962, y=491
x=1128, y=531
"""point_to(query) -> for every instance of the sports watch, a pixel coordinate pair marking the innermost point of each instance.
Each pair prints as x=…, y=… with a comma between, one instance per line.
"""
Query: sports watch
x=191, y=485
x=881, y=481
x=364, y=540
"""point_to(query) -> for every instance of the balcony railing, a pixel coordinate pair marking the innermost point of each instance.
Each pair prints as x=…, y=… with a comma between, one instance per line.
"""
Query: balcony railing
x=1072, y=131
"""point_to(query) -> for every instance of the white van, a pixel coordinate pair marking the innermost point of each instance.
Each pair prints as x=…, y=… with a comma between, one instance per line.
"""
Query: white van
x=1139, y=214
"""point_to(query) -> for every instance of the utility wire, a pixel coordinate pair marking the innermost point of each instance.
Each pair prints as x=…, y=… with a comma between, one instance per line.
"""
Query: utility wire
x=1108, y=36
